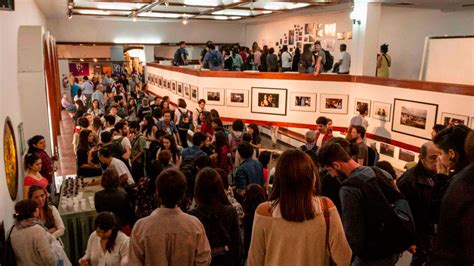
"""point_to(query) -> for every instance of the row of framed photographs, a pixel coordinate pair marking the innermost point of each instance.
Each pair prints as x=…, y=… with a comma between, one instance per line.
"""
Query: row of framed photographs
x=182, y=89
x=390, y=151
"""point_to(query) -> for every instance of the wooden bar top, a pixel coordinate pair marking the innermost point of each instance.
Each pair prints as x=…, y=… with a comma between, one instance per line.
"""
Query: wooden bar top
x=450, y=88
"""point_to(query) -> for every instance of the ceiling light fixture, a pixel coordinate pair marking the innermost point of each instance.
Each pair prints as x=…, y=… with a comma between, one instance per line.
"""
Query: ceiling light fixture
x=167, y=3
x=95, y=60
x=134, y=16
x=185, y=20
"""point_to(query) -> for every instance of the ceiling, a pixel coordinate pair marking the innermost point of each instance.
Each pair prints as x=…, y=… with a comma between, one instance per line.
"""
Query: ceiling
x=224, y=10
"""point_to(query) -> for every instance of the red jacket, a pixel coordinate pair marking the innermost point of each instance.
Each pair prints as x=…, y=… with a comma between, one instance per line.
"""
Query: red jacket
x=325, y=138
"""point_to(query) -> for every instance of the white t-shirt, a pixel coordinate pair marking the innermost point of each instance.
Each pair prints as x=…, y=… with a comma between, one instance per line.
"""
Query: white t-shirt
x=125, y=142
x=346, y=62
x=121, y=169
x=96, y=255
x=286, y=60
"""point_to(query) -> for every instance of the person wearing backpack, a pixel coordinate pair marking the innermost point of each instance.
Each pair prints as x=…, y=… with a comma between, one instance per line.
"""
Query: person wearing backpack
x=213, y=59
x=237, y=60
x=219, y=218
x=183, y=120
x=323, y=60
x=181, y=55
x=377, y=219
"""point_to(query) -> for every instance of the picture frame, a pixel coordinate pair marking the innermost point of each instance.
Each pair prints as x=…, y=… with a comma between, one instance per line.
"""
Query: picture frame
x=334, y=103
x=187, y=91
x=165, y=84
x=179, y=88
x=194, y=93
x=406, y=155
x=414, y=118
x=7, y=5
x=160, y=82
x=237, y=98
x=449, y=119
x=168, y=85
x=387, y=149
x=214, y=96
x=303, y=101
x=381, y=111
x=269, y=101
x=10, y=158
x=173, y=86
x=359, y=102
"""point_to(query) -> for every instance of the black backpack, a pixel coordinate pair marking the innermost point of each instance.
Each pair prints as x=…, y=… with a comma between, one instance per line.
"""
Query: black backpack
x=214, y=58
x=329, y=61
x=184, y=120
x=389, y=227
x=373, y=156
x=8, y=256
x=217, y=234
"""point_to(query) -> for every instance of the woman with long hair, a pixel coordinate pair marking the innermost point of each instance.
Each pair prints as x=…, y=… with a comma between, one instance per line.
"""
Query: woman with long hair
x=95, y=109
x=85, y=149
x=107, y=245
x=219, y=218
x=206, y=128
x=254, y=195
x=222, y=150
x=29, y=239
x=253, y=130
x=37, y=146
x=290, y=228
x=169, y=144
x=149, y=128
x=48, y=214
x=80, y=110
x=132, y=109
x=33, y=176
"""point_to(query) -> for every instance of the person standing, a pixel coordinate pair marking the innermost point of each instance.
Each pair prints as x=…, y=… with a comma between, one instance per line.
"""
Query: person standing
x=213, y=59
x=286, y=59
x=359, y=120
x=323, y=133
x=168, y=236
x=319, y=58
x=37, y=146
x=257, y=55
x=201, y=108
x=344, y=62
x=296, y=60
x=181, y=55
x=384, y=62
x=87, y=90
x=263, y=59
x=357, y=137
x=272, y=61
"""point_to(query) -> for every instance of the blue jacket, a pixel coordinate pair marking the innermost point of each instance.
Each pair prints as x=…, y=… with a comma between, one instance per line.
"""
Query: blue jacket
x=249, y=172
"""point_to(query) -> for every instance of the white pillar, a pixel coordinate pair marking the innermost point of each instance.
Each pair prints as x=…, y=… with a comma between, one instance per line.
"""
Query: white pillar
x=365, y=38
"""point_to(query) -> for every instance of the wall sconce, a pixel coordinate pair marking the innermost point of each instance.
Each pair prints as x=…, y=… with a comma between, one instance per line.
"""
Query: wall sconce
x=354, y=18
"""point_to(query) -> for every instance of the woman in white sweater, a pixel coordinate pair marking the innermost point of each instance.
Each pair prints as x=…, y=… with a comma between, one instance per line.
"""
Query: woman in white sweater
x=290, y=229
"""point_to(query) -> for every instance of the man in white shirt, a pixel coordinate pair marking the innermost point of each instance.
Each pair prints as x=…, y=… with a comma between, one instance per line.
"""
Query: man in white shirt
x=121, y=132
x=286, y=61
x=344, y=60
x=87, y=89
x=105, y=157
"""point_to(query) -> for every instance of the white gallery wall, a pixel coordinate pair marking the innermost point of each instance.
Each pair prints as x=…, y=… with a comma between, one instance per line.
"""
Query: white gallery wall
x=26, y=13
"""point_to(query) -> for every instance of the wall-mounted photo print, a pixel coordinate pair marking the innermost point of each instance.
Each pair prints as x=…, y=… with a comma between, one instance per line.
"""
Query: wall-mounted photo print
x=269, y=101
x=414, y=118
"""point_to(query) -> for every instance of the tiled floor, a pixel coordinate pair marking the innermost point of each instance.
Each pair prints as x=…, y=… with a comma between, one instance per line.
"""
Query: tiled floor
x=67, y=159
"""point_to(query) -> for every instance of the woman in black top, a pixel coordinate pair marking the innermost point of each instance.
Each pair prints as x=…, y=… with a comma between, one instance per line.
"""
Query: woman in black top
x=254, y=195
x=254, y=132
x=85, y=155
x=218, y=217
x=80, y=111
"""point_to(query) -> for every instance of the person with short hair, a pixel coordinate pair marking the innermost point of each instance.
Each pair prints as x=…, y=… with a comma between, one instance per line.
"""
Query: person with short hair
x=213, y=59
x=190, y=154
x=201, y=108
x=323, y=133
x=357, y=137
x=359, y=120
x=138, y=150
x=319, y=58
x=107, y=245
x=87, y=89
x=105, y=157
x=183, y=122
x=250, y=171
x=384, y=62
x=296, y=227
x=286, y=59
x=169, y=236
x=121, y=137
x=310, y=145
x=344, y=63
x=181, y=55
x=272, y=61
x=169, y=126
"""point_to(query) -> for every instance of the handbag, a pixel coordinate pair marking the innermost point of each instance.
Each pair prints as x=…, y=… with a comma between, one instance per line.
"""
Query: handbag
x=327, y=220
x=8, y=256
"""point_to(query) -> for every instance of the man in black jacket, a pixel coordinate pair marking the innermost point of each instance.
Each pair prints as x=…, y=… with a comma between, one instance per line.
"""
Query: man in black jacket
x=417, y=184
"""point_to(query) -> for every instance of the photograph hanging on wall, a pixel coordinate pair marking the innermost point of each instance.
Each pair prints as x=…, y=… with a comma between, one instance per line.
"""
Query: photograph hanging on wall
x=173, y=86
x=319, y=26
x=239, y=98
x=329, y=44
x=165, y=84
x=362, y=102
x=291, y=37
x=7, y=5
x=269, y=101
x=349, y=35
x=160, y=82
x=194, y=94
x=311, y=39
x=414, y=118
x=340, y=36
x=168, y=85
x=451, y=120
x=319, y=33
x=187, y=91
x=334, y=103
x=382, y=111
x=309, y=29
x=406, y=155
x=214, y=96
x=179, y=88
x=387, y=150
x=302, y=101
x=330, y=30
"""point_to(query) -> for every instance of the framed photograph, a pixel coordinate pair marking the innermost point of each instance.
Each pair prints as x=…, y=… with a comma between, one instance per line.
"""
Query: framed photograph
x=362, y=102
x=168, y=85
x=382, y=111
x=291, y=37
x=320, y=33
x=387, y=150
x=187, y=91
x=160, y=82
x=165, y=84
x=214, y=96
x=309, y=28
x=194, y=93
x=414, y=118
x=334, y=103
x=330, y=29
x=7, y=5
x=10, y=158
x=340, y=36
x=179, y=88
x=173, y=86
x=302, y=101
x=238, y=98
x=406, y=155
x=269, y=101
x=450, y=120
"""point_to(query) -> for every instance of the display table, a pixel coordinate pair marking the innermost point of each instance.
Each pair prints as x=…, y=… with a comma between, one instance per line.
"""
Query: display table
x=78, y=220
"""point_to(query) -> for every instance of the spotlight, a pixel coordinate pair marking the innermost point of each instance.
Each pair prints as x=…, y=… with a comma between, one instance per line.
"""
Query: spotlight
x=185, y=21
x=95, y=60
x=167, y=3
x=134, y=16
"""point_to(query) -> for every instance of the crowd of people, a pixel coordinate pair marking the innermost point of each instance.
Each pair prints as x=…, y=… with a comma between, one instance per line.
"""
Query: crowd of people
x=180, y=188
x=310, y=59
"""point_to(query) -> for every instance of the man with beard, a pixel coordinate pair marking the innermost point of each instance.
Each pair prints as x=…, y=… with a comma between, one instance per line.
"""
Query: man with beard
x=364, y=206
x=417, y=184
